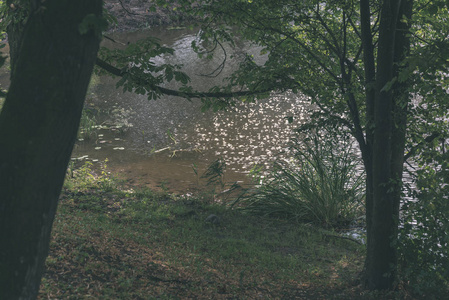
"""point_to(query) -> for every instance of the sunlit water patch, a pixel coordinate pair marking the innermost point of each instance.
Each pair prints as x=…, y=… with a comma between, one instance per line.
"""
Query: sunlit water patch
x=166, y=139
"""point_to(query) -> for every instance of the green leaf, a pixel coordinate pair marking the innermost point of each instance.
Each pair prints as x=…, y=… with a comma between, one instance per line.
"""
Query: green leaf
x=168, y=74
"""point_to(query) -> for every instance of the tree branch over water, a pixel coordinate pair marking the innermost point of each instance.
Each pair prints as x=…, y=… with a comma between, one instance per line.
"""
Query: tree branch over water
x=184, y=94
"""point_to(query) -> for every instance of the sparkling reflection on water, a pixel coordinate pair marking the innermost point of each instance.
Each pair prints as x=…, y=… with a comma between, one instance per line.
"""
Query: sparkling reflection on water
x=164, y=140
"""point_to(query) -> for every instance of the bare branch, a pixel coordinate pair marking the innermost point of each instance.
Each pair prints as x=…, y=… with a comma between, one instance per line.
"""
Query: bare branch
x=217, y=71
x=112, y=40
x=126, y=10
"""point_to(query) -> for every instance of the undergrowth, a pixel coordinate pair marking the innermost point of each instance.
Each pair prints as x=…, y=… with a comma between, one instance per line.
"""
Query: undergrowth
x=320, y=182
x=424, y=237
x=113, y=241
x=118, y=242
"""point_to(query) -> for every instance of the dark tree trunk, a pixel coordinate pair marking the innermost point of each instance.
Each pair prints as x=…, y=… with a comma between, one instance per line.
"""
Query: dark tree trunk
x=38, y=127
x=380, y=253
x=385, y=173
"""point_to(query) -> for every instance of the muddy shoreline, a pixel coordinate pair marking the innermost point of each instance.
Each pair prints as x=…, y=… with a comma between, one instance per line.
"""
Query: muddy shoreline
x=134, y=15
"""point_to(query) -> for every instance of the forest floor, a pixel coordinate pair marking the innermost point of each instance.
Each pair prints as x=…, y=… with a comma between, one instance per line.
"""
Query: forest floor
x=113, y=241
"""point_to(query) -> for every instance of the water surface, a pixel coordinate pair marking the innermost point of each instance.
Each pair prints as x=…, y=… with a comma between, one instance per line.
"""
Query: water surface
x=243, y=136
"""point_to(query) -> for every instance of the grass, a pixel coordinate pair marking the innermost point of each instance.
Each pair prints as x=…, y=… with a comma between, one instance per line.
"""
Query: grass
x=319, y=184
x=123, y=243
x=88, y=125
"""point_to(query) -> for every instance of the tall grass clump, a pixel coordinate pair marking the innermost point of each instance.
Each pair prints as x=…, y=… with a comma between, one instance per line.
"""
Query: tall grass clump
x=320, y=183
x=215, y=176
x=88, y=125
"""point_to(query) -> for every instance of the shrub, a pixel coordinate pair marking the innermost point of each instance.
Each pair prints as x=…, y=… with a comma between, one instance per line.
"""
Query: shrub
x=424, y=236
x=321, y=183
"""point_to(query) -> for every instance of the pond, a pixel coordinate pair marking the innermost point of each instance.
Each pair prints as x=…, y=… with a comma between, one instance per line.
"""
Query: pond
x=169, y=141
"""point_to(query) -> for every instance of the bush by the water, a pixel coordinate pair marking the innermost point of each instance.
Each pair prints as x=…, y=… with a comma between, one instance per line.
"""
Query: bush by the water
x=424, y=236
x=321, y=183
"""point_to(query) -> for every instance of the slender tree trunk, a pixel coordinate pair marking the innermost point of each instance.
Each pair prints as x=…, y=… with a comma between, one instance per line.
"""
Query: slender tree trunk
x=401, y=99
x=38, y=127
x=380, y=253
x=390, y=112
x=370, y=79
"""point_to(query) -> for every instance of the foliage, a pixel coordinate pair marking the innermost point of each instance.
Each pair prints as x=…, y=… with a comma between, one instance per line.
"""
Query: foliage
x=138, y=70
x=424, y=237
x=14, y=12
x=86, y=177
x=319, y=182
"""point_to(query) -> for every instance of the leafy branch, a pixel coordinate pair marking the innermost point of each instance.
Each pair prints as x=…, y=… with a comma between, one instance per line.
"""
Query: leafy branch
x=178, y=93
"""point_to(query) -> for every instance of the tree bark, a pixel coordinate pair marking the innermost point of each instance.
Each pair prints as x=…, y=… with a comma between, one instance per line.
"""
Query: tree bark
x=38, y=128
x=370, y=79
x=390, y=113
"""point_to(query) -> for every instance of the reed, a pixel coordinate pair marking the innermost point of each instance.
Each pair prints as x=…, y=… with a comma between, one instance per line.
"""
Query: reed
x=320, y=183
x=88, y=125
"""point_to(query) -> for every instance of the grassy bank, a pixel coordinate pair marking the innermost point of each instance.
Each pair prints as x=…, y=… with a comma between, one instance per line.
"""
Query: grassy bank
x=113, y=242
